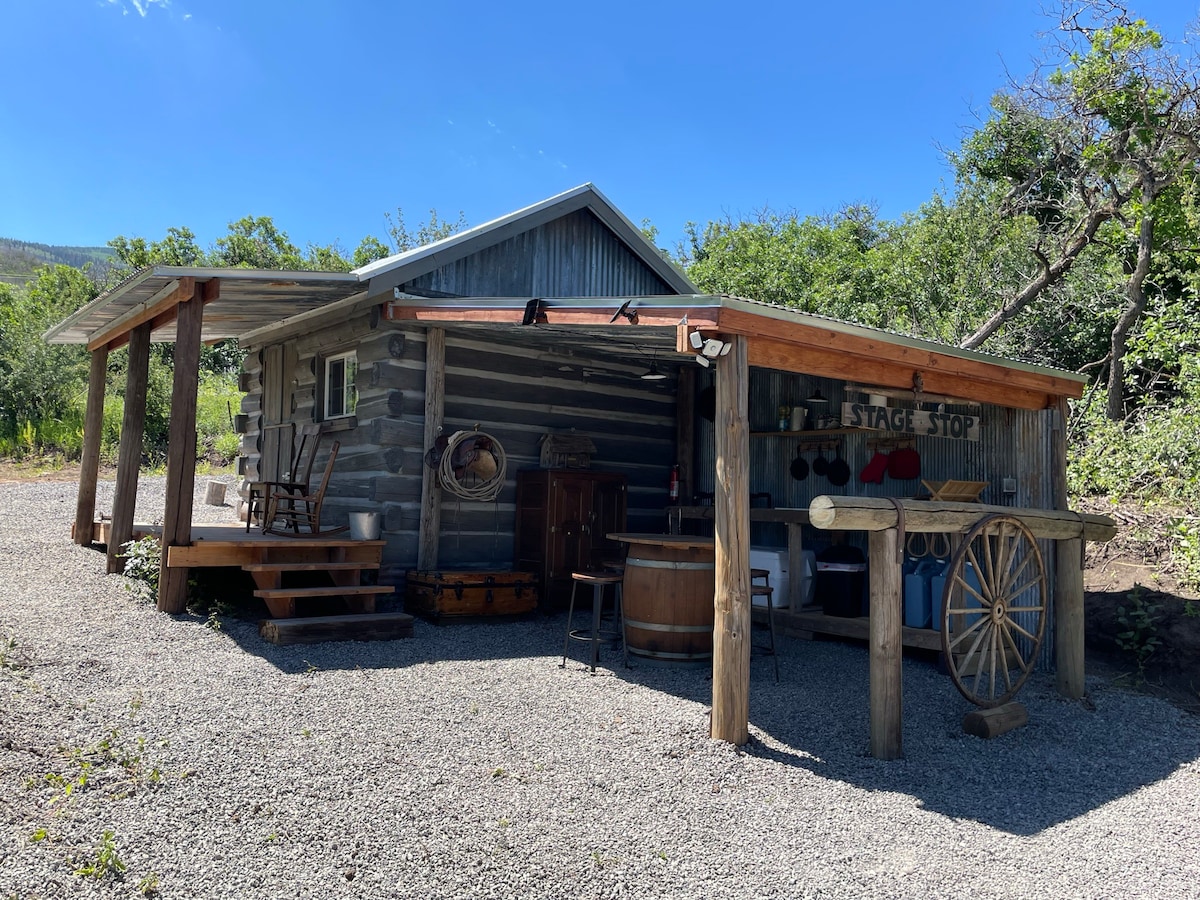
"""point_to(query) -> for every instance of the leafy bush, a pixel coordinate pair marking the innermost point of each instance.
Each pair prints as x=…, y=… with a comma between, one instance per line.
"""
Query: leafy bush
x=143, y=561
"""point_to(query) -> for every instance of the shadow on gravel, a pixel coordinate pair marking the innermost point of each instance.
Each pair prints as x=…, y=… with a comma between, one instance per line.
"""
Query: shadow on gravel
x=1069, y=760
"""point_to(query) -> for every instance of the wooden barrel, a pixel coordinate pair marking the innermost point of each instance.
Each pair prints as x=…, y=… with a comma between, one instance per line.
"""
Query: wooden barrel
x=667, y=597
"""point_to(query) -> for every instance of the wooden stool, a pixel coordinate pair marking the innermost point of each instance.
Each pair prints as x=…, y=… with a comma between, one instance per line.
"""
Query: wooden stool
x=594, y=635
x=765, y=590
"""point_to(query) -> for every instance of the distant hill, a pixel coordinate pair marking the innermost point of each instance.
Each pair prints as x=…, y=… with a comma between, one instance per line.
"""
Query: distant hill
x=19, y=259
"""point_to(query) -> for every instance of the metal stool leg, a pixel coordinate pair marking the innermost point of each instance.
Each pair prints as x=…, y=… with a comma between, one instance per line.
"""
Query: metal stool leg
x=570, y=615
x=621, y=625
x=597, y=605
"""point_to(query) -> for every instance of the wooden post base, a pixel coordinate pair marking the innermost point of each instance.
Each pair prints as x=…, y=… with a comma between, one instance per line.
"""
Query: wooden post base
x=990, y=723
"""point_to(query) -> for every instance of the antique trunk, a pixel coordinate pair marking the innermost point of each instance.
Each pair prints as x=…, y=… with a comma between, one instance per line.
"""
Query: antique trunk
x=466, y=593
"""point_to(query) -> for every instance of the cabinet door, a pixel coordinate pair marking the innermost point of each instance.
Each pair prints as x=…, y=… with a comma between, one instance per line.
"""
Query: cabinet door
x=571, y=503
x=607, y=515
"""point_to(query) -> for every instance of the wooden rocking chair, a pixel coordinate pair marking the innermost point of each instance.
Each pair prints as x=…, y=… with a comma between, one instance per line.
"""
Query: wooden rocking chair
x=295, y=509
x=295, y=480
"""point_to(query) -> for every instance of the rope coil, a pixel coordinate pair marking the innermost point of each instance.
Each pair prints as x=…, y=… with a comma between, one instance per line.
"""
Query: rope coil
x=461, y=473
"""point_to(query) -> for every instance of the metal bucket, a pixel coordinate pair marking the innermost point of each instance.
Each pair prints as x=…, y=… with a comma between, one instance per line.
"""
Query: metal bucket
x=667, y=597
x=364, y=526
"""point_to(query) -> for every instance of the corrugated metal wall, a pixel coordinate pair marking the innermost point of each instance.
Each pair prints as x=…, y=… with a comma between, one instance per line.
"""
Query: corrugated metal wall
x=1013, y=444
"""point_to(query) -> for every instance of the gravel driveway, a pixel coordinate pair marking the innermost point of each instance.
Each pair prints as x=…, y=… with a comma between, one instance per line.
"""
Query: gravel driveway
x=465, y=763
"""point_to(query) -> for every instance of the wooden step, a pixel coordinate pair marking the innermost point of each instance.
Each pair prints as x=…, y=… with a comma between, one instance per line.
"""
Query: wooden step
x=361, y=598
x=308, y=567
x=369, y=627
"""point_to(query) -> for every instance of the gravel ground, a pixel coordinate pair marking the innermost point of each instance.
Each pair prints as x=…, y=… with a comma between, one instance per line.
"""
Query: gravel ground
x=465, y=763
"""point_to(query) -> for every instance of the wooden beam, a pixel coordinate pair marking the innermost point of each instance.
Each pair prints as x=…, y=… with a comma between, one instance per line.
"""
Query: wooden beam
x=872, y=346
x=89, y=463
x=885, y=647
x=560, y=316
x=129, y=456
x=990, y=723
x=875, y=514
x=431, y=494
x=181, y=450
x=731, y=630
x=769, y=353
x=120, y=328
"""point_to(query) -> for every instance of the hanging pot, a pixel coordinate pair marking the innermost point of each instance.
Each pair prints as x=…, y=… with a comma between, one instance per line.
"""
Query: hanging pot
x=820, y=465
x=799, y=467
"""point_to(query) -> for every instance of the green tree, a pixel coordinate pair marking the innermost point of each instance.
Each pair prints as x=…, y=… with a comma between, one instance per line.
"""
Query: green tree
x=40, y=383
x=1095, y=145
x=255, y=243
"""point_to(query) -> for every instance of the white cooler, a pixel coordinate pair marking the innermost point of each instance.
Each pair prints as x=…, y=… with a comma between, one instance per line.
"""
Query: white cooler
x=775, y=561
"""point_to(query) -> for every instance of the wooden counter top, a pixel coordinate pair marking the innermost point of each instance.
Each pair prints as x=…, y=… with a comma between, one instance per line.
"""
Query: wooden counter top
x=757, y=514
x=679, y=541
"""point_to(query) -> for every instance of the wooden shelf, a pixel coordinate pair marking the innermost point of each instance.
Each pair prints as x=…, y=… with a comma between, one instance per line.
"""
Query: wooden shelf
x=817, y=434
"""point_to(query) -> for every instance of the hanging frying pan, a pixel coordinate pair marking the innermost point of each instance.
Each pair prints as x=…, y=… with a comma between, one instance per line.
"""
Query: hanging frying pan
x=799, y=467
x=820, y=465
x=839, y=469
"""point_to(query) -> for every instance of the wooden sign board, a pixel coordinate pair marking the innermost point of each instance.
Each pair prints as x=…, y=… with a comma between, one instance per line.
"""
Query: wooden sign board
x=911, y=421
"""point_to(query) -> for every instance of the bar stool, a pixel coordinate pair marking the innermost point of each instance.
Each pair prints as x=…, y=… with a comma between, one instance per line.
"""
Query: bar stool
x=765, y=590
x=594, y=635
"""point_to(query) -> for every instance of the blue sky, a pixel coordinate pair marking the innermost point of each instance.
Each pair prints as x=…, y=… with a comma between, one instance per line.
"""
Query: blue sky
x=131, y=116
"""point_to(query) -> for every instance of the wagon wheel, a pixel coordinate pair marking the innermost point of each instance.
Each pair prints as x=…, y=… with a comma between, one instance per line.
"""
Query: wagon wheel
x=993, y=610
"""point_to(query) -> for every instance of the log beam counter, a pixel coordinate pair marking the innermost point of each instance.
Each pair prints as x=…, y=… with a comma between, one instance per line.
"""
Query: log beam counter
x=667, y=595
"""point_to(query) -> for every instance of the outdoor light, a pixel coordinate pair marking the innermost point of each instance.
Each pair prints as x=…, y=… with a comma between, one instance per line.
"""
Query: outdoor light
x=652, y=374
x=703, y=360
x=816, y=397
x=696, y=339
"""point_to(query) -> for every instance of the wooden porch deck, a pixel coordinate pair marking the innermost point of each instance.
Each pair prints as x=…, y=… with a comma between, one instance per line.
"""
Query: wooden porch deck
x=272, y=559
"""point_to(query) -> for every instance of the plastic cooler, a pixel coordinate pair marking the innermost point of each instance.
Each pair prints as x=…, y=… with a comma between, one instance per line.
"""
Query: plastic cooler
x=841, y=578
x=775, y=561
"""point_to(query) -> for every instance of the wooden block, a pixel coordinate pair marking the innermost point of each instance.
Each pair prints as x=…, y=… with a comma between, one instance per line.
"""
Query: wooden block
x=989, y=723
x=367, y=627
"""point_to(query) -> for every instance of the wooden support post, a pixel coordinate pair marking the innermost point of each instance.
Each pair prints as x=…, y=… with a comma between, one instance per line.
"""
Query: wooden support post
x=795, y=548
x=181, y=447
x=89, y=463
x=685, y=432
x=731, y=521
x=129, y=456
x=887, y=697
x=1069, y=636
x=1069, y=615
x=431, y=494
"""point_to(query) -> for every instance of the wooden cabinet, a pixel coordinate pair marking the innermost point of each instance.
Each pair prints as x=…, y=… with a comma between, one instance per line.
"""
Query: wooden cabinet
x=563, y=516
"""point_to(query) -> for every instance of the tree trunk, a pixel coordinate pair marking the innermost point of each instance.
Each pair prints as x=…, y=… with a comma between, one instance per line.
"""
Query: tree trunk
x=1049, y=274
x=1136, y=296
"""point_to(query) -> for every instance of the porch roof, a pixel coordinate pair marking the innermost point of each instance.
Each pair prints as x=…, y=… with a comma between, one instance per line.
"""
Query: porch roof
x=244, y=300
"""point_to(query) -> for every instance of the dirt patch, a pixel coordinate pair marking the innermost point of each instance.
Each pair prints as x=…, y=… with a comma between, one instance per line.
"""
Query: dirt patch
x=46, y=469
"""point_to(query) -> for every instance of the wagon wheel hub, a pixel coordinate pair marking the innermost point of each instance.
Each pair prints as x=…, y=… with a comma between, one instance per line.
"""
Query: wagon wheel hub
x=998, y=612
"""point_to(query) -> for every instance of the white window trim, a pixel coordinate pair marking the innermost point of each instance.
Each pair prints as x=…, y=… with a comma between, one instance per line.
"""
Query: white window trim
x=349, y=392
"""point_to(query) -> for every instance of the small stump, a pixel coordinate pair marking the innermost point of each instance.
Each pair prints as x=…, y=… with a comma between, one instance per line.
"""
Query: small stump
x=990, y=723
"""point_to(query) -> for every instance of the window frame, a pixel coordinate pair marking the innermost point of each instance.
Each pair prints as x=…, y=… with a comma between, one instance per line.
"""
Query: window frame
x=348, y=390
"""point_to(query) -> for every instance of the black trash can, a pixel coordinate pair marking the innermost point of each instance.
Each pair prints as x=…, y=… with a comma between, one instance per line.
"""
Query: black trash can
x=841, y=581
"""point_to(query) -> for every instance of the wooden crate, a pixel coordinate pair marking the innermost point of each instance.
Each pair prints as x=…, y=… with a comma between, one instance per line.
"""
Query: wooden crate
x=470, y=593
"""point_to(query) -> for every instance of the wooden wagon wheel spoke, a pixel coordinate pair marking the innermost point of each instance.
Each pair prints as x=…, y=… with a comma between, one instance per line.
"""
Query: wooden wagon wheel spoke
x=1012, y=576
x=1025, y=667
x=1025, y=634
x=962, y=583
x=961, y=636
x=996, y=575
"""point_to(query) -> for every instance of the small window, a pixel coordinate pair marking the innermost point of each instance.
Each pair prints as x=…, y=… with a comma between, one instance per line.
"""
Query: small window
x=341, y=396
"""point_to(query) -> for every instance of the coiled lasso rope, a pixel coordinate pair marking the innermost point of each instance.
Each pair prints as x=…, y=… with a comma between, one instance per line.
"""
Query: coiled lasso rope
x=468, y=479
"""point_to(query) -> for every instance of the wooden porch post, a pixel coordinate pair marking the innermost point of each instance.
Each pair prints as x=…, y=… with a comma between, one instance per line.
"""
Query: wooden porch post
x=129, y=456
x=885, y=646
x=181, y=446
x=731, y=520
x=1068, y=578
x=435, y=408
x=89, y=463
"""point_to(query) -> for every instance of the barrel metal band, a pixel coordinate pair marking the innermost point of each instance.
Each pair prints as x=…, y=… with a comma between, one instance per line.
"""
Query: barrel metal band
x=658, y=626
x=668, y=564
